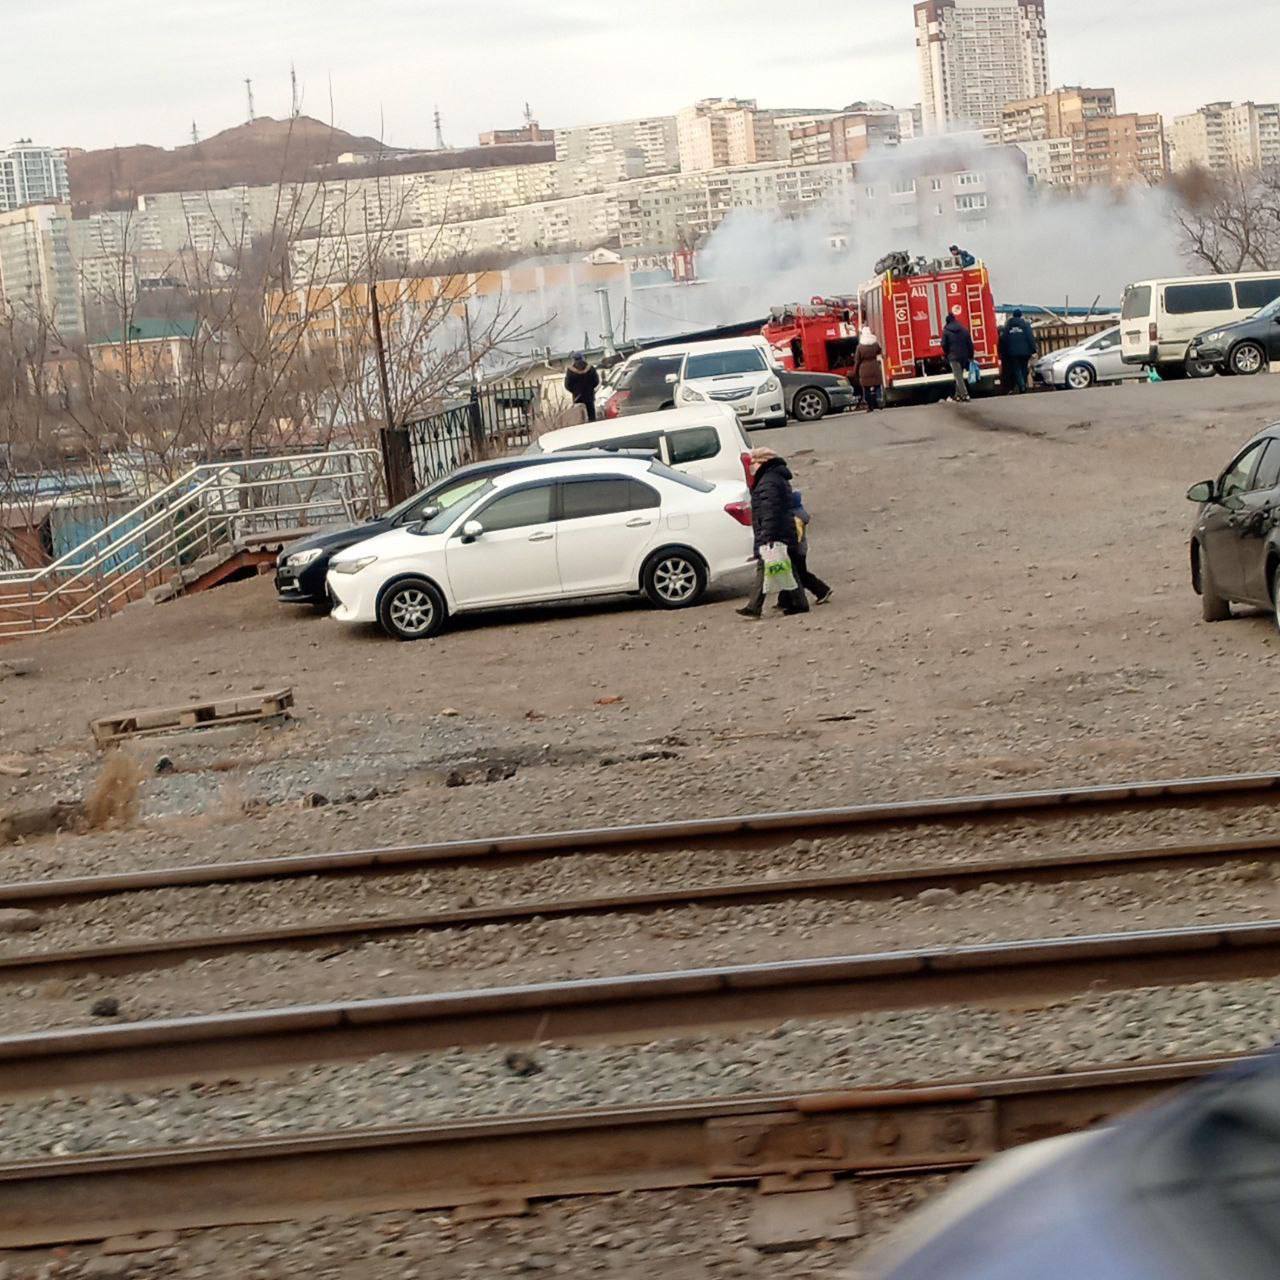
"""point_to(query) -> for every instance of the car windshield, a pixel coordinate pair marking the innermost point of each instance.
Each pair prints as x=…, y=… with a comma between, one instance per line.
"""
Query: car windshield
x=1271, y=309
x=449, y=500
x=716, y=364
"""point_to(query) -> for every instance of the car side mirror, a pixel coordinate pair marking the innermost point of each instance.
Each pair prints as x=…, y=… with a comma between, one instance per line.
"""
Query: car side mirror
x=672, y=379
x=472, y=530
x=1202, y=492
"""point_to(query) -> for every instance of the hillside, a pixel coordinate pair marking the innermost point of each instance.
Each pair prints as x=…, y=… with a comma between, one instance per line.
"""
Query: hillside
x=265, y=151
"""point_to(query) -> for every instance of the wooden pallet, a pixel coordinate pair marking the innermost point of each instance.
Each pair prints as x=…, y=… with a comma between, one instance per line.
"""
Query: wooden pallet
x=108, y=730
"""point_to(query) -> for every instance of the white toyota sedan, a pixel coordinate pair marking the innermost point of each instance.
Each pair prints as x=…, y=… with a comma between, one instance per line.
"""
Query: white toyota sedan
x=564, y=531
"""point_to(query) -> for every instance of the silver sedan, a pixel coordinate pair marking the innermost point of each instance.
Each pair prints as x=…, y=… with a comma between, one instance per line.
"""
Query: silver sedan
x=1097, y=359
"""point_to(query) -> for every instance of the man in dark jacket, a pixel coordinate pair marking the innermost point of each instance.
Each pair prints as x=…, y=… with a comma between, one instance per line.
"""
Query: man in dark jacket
x=957, y=349
x=1020, y=348
x=581, y=381
x=772, y=520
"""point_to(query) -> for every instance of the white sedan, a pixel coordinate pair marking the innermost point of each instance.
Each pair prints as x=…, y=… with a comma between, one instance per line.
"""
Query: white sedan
x=566, y=530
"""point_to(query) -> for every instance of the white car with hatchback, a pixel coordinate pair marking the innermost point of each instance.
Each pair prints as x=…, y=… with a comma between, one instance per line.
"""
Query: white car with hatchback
x=1097, y=359
x=568, y=530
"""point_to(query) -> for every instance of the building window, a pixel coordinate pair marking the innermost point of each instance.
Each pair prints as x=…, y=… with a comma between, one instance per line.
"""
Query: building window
x=964, y=203
x=968, y=179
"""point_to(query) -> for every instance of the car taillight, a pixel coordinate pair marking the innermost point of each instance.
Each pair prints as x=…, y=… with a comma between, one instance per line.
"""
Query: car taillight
x=613, y=406
x=1152, y=332
x=746, y=468
x=740, y=511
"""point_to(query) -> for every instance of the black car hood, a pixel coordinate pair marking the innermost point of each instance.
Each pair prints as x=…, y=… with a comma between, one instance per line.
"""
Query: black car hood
x=812, y=378
x=340, y=538
x=1250, y=328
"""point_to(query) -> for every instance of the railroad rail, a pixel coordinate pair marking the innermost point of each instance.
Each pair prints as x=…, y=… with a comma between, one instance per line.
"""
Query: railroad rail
x=634, y=1007
x=778, y=1143
x=140, y=954
x=767, y=828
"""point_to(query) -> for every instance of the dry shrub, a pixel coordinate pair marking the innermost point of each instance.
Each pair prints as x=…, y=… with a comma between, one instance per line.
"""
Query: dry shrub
x=113, y=798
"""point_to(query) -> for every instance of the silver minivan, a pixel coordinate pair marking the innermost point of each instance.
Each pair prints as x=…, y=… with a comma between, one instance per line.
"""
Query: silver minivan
x=1161, y=317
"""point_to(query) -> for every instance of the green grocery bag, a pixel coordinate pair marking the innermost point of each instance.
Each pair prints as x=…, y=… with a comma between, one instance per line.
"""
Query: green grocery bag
x=778, y=574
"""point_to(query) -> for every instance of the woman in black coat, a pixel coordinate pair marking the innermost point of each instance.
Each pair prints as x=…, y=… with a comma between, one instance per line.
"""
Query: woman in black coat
x=772, y=520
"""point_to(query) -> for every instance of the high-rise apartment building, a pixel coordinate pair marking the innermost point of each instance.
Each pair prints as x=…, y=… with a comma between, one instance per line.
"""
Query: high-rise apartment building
x=32, y=175
x=1118, y=150
x=719, y=133
x=1228, y=135
x=654, y=139
x=1049, y=115
x=37, y=270
x=976, y=55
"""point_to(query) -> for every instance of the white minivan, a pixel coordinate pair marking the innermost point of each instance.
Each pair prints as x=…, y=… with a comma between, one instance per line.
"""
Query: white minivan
x=1161, y=317
x=736, y=372
x=705, y=441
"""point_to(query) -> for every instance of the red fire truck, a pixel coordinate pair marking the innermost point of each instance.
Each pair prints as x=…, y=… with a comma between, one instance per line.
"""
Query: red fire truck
x=821, y=335
x=906, y=306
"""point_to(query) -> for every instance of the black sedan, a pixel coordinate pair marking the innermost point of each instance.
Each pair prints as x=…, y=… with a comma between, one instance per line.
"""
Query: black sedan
x=301, y=567
x=1244, y=348
x=1235, y=545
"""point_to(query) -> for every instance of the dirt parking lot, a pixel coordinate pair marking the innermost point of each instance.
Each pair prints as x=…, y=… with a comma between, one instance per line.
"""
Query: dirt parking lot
x=1011, y=608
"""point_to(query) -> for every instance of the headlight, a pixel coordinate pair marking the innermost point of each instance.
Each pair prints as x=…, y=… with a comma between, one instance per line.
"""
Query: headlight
x=303, y=558
x=770, y=385
x=351, y=566
x=1215, y=336
x=688, y=393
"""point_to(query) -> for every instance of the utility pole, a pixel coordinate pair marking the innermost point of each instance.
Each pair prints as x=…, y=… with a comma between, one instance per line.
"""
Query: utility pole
x=248, y=89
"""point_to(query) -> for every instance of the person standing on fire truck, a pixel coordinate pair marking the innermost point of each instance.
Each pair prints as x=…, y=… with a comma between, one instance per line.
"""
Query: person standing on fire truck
x=868, y=369
x=957, y=349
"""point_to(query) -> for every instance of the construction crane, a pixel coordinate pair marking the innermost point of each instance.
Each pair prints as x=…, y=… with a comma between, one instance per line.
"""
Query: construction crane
x=248, y=89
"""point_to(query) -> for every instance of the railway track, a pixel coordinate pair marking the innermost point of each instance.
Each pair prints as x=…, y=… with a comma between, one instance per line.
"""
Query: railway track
x=635, y=1007
x=136, y=955
x=778, y=1143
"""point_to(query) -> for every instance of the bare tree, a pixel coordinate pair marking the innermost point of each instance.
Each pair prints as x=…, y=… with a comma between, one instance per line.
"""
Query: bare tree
x=1230, y=221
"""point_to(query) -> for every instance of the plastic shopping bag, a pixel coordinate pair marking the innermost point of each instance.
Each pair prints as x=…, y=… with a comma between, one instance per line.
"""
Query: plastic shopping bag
x=778, y=574
x=975, y=373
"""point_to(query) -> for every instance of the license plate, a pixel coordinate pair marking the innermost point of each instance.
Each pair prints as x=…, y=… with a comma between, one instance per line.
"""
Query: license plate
x=742, y=410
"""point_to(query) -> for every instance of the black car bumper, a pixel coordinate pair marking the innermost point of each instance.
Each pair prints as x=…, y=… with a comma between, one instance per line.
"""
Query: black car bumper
x=841, y=398
x=1208, y=352
x=303, y=586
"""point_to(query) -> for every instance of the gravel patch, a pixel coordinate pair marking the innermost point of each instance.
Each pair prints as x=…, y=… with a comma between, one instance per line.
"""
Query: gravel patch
x=878, y=1048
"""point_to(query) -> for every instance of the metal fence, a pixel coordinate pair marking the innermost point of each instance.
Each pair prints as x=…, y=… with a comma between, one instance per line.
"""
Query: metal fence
x=492, y=420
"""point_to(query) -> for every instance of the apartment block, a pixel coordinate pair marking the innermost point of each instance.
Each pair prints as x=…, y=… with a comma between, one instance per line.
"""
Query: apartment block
x=1118, y=150
x=31, y=174
x=847, y=135
x=1228, y=135
x=37, y=269
x=977, y=55
x=654, y=138
x=1050, y=115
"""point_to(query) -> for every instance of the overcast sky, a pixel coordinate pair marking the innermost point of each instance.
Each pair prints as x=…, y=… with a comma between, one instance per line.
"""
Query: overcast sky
x=93, y=74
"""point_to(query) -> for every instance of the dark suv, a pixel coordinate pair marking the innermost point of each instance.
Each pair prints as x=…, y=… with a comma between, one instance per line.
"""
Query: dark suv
x=301, y=567
x=1235, y=545
x=1244, y=348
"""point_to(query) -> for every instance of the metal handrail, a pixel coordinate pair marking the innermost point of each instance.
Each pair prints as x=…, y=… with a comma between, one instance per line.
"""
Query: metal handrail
x=203, y=508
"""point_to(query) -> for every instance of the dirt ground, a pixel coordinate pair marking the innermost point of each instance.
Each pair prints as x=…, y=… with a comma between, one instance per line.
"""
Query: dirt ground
x=1012, y=608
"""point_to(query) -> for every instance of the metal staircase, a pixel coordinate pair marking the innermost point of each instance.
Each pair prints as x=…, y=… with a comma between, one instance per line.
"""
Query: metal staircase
x=212, y=522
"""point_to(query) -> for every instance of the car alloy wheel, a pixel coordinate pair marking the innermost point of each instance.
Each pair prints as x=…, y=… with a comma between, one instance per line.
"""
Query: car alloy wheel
x=1247, y=359
x=1080, y=377
x=675, y=579
x=411, y=611
x=809, y=405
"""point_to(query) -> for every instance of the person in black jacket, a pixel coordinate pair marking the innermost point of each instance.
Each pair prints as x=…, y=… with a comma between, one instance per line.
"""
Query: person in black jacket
x=1020, y=345
x=772, y=520
x=581, y=381
x=957, y=348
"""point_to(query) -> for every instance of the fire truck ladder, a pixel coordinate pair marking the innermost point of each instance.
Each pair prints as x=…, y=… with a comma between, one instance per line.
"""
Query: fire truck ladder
x=904, y=356
x=977, y=318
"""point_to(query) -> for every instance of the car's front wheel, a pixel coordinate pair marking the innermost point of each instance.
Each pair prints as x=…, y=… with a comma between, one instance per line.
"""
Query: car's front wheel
x=674, y=579
x=1275, y=593
x=810, y=404
x=411, y=609
x=1080, y=377
x=1200, y=368
x=1247, y=359
x=1213, y=607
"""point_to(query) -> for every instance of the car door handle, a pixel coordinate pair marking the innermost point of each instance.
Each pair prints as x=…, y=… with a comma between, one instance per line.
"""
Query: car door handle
x=638, y=523
x=544, y=536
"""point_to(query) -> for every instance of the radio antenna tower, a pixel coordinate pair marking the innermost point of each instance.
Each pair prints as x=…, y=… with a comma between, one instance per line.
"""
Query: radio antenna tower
x=440, y=142
x=296, y=108
x=248, y=89
x=195, y=135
